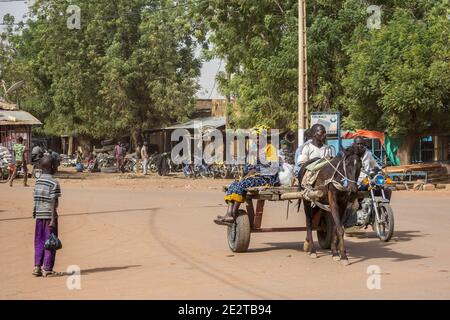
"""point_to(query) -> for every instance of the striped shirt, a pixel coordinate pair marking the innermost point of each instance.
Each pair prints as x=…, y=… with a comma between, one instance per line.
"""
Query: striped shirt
x=46, y=190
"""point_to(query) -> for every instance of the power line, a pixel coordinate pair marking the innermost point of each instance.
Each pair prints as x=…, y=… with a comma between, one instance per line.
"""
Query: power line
x=215, y=79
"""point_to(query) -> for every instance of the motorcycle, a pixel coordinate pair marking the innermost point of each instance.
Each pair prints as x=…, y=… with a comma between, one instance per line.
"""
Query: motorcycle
x=164, y=164
x=106, y=160
x=153, y=162
x=132, y=164
x=374, y=208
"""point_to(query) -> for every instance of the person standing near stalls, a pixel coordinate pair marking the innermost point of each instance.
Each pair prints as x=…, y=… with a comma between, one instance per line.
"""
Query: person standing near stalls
x=118, y=154
x=20, y=159
x=144, y=156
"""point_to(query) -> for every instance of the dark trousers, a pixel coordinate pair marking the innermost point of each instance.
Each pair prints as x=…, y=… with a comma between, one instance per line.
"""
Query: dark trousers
x=16, y=168
x=43, y=257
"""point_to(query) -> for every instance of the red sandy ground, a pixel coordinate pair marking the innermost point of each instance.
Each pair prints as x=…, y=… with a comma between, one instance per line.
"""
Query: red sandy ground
x=153, y=238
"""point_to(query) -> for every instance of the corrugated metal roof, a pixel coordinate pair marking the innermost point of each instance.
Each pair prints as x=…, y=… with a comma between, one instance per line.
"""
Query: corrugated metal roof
x=214, y=122
x=15, y=117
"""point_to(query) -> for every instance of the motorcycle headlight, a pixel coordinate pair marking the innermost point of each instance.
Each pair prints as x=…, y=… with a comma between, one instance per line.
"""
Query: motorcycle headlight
x=379, y=180
x=365, y=181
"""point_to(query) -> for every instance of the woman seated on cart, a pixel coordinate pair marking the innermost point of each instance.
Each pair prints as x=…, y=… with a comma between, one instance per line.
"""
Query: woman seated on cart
x=263, y=173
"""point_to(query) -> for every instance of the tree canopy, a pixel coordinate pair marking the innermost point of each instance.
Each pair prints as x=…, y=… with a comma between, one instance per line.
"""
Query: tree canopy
x=130, y=66
x=393, y=79
x=398, y=79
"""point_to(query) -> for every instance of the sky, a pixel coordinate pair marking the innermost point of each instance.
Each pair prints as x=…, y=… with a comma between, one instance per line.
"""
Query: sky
x=208, y=73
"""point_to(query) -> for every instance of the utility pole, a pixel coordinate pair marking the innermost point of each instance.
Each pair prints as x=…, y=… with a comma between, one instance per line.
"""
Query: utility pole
x=303, y=115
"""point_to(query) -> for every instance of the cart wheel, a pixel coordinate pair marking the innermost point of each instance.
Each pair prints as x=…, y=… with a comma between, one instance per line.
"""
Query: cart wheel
x=239, y=233
x=326, y=225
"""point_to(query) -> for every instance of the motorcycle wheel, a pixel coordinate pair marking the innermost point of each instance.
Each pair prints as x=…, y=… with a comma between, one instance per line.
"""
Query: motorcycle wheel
x=385, y=229
x=223, y=173
x=153, y=168
x=137, y=167
x=5, y=174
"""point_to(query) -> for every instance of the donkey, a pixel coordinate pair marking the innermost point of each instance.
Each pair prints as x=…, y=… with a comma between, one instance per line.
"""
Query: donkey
x=335, y=187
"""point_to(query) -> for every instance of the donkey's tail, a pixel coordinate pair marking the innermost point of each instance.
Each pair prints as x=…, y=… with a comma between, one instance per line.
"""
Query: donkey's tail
x=299, y=202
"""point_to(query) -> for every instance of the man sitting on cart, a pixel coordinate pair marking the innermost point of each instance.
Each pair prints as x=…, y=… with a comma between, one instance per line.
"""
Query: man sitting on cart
x=263, y=173
x=310, y=157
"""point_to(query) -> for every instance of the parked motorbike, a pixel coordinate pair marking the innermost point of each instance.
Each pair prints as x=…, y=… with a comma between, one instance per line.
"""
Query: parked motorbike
x=5, y=170
x=374, y=209
x=153, y=162
x=92, y=165
x=106, y=160
x=220, y=170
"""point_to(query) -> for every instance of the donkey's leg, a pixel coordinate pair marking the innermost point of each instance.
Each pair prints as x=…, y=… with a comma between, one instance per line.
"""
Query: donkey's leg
x=335, y=212
x=309, y=219
x=342, y=251
x=334, y=239
x=306, y=244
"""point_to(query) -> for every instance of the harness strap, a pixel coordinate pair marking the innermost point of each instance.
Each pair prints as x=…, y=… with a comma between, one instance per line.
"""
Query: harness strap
x=336, y=170
x=322, y=206
x=336, y=184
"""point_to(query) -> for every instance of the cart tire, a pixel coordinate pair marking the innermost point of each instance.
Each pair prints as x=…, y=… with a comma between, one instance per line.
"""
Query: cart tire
x=239, y=233
x=324, y=236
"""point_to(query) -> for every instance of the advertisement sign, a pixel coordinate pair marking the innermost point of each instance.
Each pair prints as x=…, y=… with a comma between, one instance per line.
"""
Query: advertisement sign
x=330, y=120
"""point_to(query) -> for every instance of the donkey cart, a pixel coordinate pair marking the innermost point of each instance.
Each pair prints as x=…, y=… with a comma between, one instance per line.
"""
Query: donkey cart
x=249, y=221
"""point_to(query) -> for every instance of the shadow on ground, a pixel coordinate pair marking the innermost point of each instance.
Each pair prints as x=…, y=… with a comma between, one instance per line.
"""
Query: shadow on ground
x=361, y=251
x=87, y=213
x=107, y=269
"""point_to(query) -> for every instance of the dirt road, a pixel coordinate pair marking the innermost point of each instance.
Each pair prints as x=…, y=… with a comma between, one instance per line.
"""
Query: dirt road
x=153, y=238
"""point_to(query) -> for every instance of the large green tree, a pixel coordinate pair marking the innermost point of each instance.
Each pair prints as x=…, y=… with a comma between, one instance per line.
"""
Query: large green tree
x=259, y=41
x=130, y=66
x=398, y=79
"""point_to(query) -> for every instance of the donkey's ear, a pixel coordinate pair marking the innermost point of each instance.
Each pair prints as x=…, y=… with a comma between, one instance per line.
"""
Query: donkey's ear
x=348, y=151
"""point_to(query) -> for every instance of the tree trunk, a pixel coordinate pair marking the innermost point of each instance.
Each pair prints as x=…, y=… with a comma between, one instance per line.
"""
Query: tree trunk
x=406, y=149
x=135, y=137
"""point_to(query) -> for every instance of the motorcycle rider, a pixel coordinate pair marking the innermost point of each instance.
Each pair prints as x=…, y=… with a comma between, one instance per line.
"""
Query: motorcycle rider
x=368, y=164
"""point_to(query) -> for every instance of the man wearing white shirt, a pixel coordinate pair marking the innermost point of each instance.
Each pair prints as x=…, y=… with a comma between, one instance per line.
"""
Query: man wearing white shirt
x=312, y=150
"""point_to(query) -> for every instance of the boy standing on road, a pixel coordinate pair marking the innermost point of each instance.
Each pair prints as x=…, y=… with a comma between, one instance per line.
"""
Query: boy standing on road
x=46, y=194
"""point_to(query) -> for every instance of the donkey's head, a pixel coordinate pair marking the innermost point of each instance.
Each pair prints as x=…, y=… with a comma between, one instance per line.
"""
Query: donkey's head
x=352, y=163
